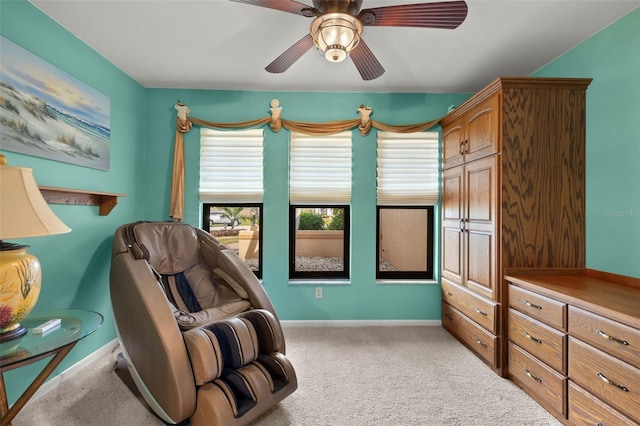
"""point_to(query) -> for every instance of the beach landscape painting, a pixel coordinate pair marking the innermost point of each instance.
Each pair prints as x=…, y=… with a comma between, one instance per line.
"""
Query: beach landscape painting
x=45, y=112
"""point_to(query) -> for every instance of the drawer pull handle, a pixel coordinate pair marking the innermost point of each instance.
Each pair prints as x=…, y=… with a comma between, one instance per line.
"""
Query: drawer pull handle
x=530, y=337
x=484, y=314
x=531, y=305
x=448, y=293
x=615, y=339
x=447, y=316
x=531, y=376
x=478, y=341
x=612, y=383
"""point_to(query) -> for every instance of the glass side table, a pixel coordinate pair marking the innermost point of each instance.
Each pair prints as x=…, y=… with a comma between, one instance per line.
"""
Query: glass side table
x=75, y=325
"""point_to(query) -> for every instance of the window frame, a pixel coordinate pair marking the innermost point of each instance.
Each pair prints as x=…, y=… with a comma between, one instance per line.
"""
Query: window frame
x=319, y=275
x=206, y=212
x=408, y=172
x=408, y=275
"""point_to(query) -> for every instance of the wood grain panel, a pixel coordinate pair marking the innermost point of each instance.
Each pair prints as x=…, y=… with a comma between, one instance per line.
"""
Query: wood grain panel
x=604, y=296
x=480, y=192
x=540, y=340
x=481, y=275
x=587, y=410
x=543, y=178
x=452, y=224
x=479, y=309
x=452, y=138
x=612, y=337
x=452, y=190
x=471, y=335
x=482, y=127
x=481, y=233
x=105, y=200
x=549, y=311
x=543, y=383
x=615, y=382
x=569, y=220
x=451, y=258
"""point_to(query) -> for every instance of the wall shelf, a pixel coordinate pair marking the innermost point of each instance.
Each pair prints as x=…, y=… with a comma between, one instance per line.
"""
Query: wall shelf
x=105, y=200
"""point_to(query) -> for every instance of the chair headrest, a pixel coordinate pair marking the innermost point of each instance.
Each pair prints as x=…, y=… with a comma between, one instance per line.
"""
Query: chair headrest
x=171, y=247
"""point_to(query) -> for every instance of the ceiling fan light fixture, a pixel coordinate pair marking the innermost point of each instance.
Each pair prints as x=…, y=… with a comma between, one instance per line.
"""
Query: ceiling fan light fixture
x=335, y=35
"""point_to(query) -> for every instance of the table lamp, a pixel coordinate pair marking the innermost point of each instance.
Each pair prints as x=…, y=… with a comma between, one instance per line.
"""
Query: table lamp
x=23, y=213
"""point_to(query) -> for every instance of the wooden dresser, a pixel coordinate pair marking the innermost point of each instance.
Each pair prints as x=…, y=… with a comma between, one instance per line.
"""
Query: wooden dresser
x=574, y=343
x=513, y=175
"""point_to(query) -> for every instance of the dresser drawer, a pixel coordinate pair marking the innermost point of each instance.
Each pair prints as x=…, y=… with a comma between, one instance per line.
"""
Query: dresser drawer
x=615, y=338
x=544, y=384
x=587, y=410
x=482, y=311
x=472, y=335
x=544, y=342
x=542, y=308
x=615, y=382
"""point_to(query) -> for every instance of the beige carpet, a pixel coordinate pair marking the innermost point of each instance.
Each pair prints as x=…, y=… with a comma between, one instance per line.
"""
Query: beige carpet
x=347, y=376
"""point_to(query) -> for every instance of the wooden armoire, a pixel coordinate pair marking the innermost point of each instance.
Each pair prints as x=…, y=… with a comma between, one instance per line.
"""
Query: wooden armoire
x=513, y=197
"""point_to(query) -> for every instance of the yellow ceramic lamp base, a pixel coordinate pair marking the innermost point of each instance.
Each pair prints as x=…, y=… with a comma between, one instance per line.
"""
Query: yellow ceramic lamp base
x=20, y=280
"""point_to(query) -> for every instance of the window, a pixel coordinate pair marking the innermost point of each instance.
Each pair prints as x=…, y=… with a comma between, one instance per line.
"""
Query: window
x=320, y=241
x=405, y=242
x=407, y=190
x=238, y=227
x=231, y=187
x=319, y=193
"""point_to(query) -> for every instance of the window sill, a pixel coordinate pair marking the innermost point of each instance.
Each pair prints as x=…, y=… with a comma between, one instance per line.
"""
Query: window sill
x=411, y=282
x=321, y=281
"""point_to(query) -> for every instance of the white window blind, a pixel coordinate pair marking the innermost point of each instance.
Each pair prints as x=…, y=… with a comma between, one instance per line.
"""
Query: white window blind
x=320, y=169
x=407, y=169
x=231, y=168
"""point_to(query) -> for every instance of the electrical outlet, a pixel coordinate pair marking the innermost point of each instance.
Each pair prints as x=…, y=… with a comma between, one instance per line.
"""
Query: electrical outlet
x=318, y=292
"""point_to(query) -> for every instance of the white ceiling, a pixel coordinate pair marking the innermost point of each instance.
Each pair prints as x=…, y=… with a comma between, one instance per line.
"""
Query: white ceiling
x=223, y=45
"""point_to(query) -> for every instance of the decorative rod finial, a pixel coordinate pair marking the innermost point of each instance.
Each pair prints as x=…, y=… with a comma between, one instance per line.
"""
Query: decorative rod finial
x=276, y=112
x=183, y=111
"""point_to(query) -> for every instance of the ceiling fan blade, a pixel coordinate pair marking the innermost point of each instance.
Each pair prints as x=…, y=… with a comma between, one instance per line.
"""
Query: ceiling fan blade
x=448, y=15
x=282, y=5
x=291, y=55
x=351, y=7
x=366, y=63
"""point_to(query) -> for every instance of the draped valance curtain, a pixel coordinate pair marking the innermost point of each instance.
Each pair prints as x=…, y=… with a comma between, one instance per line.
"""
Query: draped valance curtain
x=184, y=123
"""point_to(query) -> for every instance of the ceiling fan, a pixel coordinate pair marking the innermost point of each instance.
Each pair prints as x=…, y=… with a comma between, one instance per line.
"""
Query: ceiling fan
x=337, y=28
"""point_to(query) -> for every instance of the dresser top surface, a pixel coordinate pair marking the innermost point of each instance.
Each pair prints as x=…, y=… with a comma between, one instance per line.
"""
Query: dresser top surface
x=617, y=301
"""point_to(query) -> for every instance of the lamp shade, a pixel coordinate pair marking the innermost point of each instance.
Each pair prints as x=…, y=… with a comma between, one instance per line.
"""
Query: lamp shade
x=23, y=213
x=23, y=210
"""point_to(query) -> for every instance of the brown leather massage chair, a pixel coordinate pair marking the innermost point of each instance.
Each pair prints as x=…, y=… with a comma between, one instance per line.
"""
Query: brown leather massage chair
x=200, y=337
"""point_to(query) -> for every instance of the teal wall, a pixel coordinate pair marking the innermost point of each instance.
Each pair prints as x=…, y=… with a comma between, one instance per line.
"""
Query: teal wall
x=612, y=59
x=75, y=266
x=362, y=299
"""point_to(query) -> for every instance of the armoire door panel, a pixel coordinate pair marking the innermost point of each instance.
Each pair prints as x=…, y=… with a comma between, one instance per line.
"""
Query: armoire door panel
x=452, y=195
x=481, y=193
x=451, y=254
x=480, y=262
x=482, y=129
x=452, y=145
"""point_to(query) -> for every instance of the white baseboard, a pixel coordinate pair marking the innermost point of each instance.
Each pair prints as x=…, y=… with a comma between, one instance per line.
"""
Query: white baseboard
x=71, y=371
x=359, y=323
